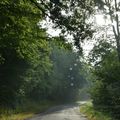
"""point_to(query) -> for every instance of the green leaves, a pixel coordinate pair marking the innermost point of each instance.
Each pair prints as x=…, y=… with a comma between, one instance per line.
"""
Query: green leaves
x=33, y=63
x=67, y=74
x=105, y=89
x=22, y=47
x=71, y=17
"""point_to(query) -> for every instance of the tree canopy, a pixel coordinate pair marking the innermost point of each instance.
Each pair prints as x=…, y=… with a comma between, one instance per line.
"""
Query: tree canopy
x=31, y=61
x=35, y=66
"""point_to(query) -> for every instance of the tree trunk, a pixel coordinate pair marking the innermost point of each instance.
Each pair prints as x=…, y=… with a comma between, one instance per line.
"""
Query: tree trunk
x=117, y=30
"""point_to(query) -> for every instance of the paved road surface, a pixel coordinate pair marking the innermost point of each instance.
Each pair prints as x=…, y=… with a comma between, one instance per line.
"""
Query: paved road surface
x=63, y=112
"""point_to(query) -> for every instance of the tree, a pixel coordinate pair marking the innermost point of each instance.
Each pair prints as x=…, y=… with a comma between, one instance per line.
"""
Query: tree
x=102, y=48
x=106, y=58
x=22, y=45
x=112, y=8
x=65, y=74
x=106, y=75
x=105, y=89
x=67, y=77
x=25, y=60
x=70, y=16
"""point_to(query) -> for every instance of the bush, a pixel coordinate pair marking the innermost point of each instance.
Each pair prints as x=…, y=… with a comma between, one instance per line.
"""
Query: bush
x=93, y=114
x=105, y=91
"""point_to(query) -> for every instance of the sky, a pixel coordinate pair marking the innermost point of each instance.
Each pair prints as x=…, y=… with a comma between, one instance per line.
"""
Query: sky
x=98, y=19
x=87, y=46
x=47, y=24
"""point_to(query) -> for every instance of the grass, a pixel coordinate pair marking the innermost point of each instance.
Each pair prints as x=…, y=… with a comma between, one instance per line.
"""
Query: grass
x=19, y=116
x=29, y=109
x=92, y=114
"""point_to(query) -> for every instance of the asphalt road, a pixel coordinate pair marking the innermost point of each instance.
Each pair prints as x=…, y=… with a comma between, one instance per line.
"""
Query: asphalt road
x=63, y=112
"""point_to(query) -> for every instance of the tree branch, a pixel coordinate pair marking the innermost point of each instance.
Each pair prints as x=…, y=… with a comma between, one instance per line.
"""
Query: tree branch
x=39, y=7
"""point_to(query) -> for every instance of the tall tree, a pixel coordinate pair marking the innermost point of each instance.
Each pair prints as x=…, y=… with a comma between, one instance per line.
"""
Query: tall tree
x=70, y=16
x=22, y=45
x=112, y=8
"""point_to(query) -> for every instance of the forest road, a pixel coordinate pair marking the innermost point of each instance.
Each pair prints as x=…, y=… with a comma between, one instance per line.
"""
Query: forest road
x=62, y=112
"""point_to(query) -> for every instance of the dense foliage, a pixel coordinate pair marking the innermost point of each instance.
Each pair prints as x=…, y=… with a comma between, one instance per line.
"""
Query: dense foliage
x=36, y=67
x=32, y=65
x=21, y=46
x=106, y=72
x=105, y=58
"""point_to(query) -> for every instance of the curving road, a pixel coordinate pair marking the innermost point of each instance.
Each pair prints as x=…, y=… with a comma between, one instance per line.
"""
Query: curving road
x=63, y=112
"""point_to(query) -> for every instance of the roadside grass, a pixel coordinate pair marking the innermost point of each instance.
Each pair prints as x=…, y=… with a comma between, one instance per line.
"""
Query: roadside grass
x=92, y=114
x=19, y=116
x=27, y=110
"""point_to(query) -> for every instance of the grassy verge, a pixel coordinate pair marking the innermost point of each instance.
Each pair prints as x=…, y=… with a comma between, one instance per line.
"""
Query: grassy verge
x=25, y=111
x=93, y=114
